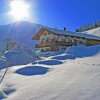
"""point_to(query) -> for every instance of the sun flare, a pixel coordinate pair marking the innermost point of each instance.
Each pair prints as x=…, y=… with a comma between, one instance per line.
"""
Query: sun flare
x=19, y=10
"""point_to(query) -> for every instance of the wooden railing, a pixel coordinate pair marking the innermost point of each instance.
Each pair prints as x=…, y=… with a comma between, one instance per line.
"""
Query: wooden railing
x=57, y=43
x=42, y=45
x=65, y=43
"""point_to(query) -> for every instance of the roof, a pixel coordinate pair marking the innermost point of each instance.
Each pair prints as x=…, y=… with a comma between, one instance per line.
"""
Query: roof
x=77, y=34
x=69, y=33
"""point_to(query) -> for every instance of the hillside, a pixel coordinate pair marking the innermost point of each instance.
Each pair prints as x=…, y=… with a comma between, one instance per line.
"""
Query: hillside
x=21, y=32
x=95, y=31
x=72, y=75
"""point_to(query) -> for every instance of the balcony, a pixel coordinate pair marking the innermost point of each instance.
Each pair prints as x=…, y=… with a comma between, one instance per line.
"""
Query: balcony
x=46, y=44
x=42, y=45
x=65, y=44
x=61, y=43
x=56, y=43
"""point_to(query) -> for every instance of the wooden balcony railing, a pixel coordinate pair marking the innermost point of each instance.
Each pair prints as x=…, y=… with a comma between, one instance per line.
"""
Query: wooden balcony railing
x=57, y=43
x=65, y=43
x=42, y=45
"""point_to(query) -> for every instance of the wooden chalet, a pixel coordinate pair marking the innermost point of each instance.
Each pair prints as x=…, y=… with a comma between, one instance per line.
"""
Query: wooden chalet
x=54, y=39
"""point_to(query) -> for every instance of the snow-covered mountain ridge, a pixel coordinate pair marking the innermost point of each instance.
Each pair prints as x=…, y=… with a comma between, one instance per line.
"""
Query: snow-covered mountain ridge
x=21, y=32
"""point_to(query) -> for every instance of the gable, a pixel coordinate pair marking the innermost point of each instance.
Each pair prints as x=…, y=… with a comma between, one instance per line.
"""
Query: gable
x=41, y=32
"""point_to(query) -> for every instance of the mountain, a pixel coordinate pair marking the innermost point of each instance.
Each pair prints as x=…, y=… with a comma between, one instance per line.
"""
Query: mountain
x=20, y=31
x=95, y=31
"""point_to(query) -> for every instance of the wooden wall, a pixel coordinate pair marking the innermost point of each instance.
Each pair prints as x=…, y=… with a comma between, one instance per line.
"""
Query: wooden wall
x=92, y=42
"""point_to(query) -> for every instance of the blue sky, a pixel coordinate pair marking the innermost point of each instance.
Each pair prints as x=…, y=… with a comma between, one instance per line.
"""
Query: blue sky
x=58, y=13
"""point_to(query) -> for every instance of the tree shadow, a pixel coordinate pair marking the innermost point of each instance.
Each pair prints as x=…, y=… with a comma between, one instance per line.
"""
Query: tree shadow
x=32, y=70
x=1, y=96
x=50, y=62
x=7, y=90
x=64, y=57
x=2, y=64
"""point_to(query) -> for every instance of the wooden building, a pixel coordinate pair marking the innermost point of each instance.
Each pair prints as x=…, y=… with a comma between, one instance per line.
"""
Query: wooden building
x=54, y=39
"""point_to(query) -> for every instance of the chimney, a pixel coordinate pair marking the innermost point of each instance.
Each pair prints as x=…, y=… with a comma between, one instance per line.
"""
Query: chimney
x=64, y=28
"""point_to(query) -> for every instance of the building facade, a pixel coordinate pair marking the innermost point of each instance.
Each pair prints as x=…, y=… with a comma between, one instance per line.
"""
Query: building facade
x=53, y=39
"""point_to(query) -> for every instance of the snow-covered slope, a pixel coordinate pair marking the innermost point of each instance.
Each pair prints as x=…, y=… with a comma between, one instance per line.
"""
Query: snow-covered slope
x=95, y=31
x=61, y=77
x=20, y=32
x=18, y=56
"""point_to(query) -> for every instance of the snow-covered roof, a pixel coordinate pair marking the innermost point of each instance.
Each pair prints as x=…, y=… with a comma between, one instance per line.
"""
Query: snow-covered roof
x=63, y=32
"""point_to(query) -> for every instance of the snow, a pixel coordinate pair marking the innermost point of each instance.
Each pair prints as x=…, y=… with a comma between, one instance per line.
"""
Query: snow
x=20, y=55
x=17, y=57
x=76, y=77
x=85, y=35
x=2, y=64
x=95, y=32
x=83, y=51
x=21, y=32
x=50, y=53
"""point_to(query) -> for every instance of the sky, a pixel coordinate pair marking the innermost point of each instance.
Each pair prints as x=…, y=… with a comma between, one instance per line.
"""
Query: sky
x=57, y=13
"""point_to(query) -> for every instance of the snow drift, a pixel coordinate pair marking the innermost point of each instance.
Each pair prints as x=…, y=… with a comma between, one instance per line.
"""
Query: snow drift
x=76, y=79
x=20, y=56
x=80, y=51
x=83, y=51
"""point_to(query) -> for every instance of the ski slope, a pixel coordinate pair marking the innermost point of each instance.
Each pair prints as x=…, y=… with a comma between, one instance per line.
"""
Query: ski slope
x=67, y=76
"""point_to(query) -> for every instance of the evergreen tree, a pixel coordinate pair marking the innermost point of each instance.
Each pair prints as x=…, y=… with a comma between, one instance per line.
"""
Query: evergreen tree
x=88, y=27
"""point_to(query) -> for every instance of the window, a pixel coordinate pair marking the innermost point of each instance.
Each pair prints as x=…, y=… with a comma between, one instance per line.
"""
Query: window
x=64, y=48
x=63, y=40
x=70, y=40
x=47, y=49
x=42, y=50
x=42, y=41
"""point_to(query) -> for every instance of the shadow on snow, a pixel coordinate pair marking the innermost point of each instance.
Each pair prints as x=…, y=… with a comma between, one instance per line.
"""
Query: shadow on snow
x=50, y=62
x=32, y=70
x=6, y=91
x=64, y=57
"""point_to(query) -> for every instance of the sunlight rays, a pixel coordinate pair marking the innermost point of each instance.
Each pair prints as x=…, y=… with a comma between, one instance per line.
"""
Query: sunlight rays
x=19, y=10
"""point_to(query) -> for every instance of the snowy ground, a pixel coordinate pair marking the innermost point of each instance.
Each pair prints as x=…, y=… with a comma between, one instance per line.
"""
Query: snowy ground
x=59, y=77
x=95, y=31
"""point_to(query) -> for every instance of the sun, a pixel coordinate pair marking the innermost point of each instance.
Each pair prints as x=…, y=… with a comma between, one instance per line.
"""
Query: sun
x=19, y=10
